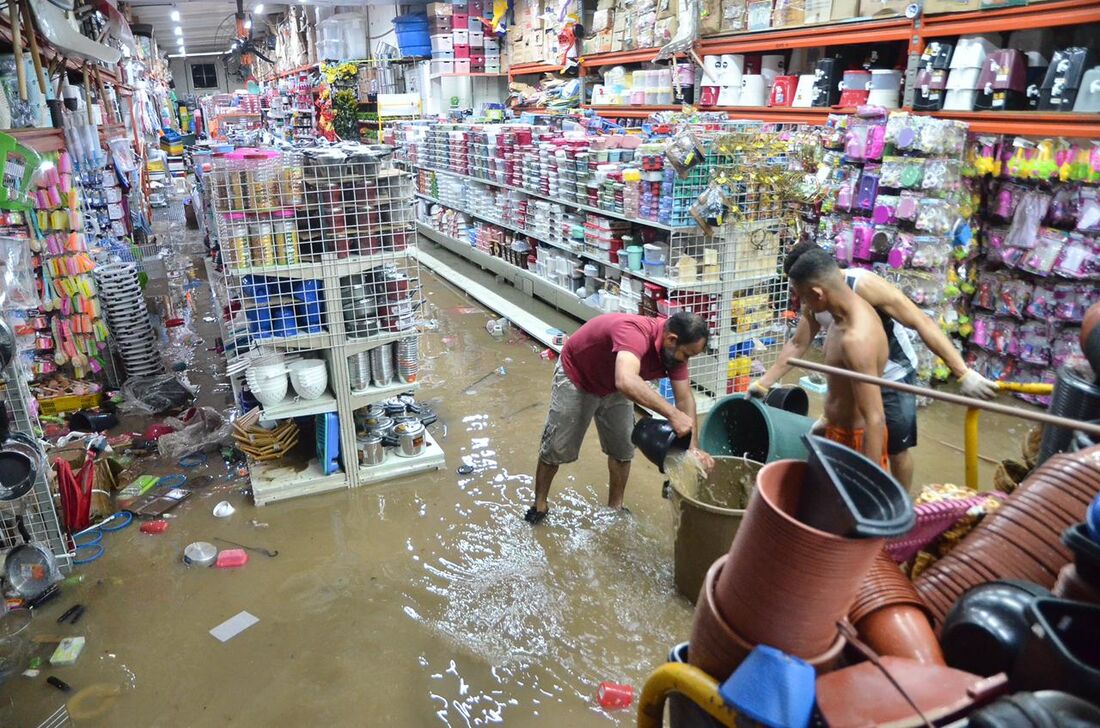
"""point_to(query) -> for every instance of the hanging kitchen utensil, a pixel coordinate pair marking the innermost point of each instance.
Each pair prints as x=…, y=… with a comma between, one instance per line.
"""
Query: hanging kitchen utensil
x=30, y=569
x=17, y=471
x=60, y=33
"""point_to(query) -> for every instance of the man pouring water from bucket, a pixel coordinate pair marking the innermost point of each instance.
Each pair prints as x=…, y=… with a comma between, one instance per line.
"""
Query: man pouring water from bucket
x=603, y=371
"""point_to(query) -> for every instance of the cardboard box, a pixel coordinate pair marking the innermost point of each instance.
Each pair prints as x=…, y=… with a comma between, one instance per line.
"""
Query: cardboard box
x=443, y=67
x=844, y=9
x=460, y=37
x=462, y=51
x=733, y=16
x=461, y=21
x=882, y=8
x=442, y=9
x=443, y=55
x=788, y=14
x=491, y=53
x=758, y=14
x=816, y=11
x=950, y=6
x=476, y=38
x=462, y=66
x=710, y=17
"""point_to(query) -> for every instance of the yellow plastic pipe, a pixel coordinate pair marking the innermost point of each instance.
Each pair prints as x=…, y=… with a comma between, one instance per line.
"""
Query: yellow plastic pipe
x=1026, y=387
x=971, y=428
x=692, y=683
x=970, y=447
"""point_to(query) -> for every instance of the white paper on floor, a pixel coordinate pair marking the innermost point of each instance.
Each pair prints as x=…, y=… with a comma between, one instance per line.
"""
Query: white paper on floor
x=233, y=626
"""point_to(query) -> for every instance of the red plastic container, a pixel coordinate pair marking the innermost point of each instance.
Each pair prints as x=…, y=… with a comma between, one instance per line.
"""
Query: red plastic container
x=154, y=527
x=614, y=696
x=231, y=558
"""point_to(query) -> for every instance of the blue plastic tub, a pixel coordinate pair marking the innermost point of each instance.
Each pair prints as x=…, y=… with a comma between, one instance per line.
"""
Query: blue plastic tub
x=412, y=35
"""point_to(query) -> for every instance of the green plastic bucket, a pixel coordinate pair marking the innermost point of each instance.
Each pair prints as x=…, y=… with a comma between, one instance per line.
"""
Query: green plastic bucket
x=741, y=426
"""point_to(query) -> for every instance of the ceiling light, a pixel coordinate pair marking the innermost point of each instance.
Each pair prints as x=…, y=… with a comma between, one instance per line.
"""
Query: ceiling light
x=179, y=42
x=177, y=30
x=248, y=24
x=183, y=51
x=175, y=15
x=259, y=9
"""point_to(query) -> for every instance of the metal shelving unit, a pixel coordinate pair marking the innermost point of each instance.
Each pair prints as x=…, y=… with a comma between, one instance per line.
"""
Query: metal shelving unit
x=318, y=258
x=738, y=288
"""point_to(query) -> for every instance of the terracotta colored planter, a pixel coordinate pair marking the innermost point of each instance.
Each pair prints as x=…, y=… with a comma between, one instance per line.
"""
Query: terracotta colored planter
x=884, y=585
x=717, y=649
x=901, y=630
x=1013, y=542
x=786, y=584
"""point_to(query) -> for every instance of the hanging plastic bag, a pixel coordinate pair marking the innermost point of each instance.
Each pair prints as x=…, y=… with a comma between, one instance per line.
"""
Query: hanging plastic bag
x=17, y=289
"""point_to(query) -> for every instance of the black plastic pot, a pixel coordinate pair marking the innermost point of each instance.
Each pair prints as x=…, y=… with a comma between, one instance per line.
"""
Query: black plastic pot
x=791, y=399
x=1074, y=397
x=1062, y=651
x=656, y=438
x=986, y=629
x=1086, y=553
x=89, y=421
x=1043, y=709
x=847, y=494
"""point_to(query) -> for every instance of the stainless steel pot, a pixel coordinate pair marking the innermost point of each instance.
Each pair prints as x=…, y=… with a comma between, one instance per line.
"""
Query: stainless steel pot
x=359, y=370
x=371, y=450
x=410, y=439
x=382, y=426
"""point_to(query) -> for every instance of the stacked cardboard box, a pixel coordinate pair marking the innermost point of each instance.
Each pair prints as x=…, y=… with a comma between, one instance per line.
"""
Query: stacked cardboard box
x=459, y=43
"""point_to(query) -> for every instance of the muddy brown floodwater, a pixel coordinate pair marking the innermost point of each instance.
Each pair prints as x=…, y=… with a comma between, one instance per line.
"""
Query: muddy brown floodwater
x=426, y=601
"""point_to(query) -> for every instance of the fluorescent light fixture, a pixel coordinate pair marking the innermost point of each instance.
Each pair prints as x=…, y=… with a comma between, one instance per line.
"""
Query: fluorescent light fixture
x=179, y=42
x=175, y=15
x=177, y=30
x=258, y=9
x=196, y=55
x=183, y=52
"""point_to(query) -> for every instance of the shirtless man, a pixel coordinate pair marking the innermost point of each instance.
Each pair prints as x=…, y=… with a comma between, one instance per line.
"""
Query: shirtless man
x=857, y=342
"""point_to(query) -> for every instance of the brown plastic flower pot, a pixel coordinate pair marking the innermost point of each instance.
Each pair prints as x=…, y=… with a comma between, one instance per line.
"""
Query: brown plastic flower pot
x=901, y=630
x=717, y=649
x=786, y=584
x=1047, y=515
x=1056, y=507
x=1028, y=546
x=1068, y=484
x=884, y=585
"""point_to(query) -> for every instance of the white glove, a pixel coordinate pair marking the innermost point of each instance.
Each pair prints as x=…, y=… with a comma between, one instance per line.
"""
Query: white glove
x=975, y=385
x=819, y=426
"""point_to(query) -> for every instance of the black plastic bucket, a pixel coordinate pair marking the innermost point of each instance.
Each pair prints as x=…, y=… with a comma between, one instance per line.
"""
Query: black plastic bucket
x=1062, y=651
x=847, y=494
x=656, y=438
x=790, y=399
x=1074, y=397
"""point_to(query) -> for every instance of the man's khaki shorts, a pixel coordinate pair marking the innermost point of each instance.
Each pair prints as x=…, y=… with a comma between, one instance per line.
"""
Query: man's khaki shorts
x=571, y=411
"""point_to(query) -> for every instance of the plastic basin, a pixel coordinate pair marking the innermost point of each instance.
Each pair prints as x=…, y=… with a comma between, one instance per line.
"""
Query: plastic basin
x=741, y=426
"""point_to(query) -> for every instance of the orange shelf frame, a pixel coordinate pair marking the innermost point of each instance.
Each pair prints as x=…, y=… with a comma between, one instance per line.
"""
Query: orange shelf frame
x=525, y=69
x=42, y=141
x=812, y=36
x=1040, y=15
x=778, y=114
x=638, y=55
x=291, y=72
x=1026, y=123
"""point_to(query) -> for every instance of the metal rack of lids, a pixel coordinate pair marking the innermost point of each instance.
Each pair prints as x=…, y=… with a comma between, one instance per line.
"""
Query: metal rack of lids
x=317, y=256
x=128, y=318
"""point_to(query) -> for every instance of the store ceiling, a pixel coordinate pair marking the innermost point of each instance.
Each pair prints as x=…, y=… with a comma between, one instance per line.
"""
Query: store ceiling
x=207, y=25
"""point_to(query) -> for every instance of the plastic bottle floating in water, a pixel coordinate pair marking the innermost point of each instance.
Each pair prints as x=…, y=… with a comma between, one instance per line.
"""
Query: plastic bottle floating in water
x=614, y=696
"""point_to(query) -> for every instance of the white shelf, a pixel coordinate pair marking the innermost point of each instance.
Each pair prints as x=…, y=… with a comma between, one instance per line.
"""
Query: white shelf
x=327, y=266
x=668, y=283
x=553, y=294
x=356, y=345
x=372, y=394
x=574, y=205
x=295, y=406
x=278, y=480
x=395, y=466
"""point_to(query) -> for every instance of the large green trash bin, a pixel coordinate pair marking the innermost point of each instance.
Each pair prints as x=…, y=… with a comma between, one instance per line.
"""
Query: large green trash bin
x=741, y=426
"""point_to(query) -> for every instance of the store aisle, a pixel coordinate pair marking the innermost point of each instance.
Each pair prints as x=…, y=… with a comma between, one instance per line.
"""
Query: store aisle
x=422, y=602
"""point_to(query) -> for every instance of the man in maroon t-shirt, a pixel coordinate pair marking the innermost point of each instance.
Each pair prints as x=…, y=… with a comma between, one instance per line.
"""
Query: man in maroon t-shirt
x=602, y=371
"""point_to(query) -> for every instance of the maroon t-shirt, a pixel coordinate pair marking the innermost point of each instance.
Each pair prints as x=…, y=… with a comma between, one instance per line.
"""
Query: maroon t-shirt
x=588, y=357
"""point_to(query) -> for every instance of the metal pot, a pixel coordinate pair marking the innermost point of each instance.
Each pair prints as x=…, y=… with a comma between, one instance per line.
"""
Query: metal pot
x=382, y=427
x=371, y=450
x=410, y=439
x=7, y=343
x=18, y=469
